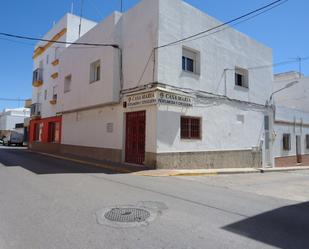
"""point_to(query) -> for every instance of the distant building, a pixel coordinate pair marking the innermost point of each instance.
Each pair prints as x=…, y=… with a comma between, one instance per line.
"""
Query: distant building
x=10, y=119
x=195, y=104
x=291, y=123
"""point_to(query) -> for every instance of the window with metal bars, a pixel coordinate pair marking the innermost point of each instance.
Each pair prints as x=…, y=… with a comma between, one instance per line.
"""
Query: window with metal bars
x=190, y=128
x=286, y=141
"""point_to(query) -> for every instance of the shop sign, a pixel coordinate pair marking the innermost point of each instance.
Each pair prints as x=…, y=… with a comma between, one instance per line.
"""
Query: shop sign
x=148, y=98
x=157, y=97
x=168, y=98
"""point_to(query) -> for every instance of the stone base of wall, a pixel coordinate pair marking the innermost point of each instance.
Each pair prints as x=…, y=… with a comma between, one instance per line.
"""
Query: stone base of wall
x=103, y=154
x=177, y=160
x=209, y=160
x=45, y=147
x=288, y=161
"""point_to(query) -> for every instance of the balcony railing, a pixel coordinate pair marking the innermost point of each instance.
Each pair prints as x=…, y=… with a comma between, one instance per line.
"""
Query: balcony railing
x=37, y=77
x=36, y=110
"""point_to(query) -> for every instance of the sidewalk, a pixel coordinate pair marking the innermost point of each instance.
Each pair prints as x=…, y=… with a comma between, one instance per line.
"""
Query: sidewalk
x=205, y=172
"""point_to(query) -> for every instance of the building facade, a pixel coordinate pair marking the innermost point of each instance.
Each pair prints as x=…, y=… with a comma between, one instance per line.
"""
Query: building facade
x=291, y=124
x=10, y=118
x=139, y=99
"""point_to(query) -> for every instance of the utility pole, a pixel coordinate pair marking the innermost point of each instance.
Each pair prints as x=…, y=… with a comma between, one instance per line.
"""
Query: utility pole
x=81, y=16
x=300, y=66
x=121, y=6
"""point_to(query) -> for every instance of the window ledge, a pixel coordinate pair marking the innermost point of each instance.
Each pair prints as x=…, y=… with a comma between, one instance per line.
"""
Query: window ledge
x=241, y=88
x=94, y=81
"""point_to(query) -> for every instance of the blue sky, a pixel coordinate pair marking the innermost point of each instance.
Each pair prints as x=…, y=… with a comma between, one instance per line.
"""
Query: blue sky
x=284, y=29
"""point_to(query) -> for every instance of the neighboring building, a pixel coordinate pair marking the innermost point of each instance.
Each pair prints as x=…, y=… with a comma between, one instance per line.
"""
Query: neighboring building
x=291, y=128
x=11, y=119
x=195, y=104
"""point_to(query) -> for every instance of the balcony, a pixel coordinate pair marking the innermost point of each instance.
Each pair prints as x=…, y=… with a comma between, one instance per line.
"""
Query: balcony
x=37, y=77
x=54, y=75
x=35, y=110
x=54, y=100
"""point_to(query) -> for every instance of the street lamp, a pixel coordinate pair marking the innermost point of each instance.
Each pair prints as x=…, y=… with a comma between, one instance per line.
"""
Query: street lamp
x=288, y=85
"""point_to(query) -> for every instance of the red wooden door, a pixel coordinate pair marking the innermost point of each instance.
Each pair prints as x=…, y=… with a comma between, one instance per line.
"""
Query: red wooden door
x=135, y=137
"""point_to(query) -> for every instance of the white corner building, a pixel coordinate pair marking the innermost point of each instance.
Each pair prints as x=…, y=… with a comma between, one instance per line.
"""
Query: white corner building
x=135, y=98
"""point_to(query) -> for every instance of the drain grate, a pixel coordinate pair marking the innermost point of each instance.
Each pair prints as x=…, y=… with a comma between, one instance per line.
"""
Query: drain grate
x=127, y=215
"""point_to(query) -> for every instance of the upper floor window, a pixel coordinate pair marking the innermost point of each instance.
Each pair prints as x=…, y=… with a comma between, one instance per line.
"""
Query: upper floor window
x=307, y=141
x=286, y=141
x=190, y=61
x=67, y=83
x=95, y=71
x=241, y=77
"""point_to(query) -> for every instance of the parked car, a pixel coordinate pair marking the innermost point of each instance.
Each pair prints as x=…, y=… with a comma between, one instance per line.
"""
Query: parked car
x=13, y=137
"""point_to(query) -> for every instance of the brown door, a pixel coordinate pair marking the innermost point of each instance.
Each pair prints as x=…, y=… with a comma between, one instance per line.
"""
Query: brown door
x=135, y=137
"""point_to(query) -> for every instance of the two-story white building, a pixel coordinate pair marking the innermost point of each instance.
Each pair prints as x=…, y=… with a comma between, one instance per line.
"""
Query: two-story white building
x=135, y=99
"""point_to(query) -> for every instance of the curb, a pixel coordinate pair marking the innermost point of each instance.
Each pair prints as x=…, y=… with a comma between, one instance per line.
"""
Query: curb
x=166, y=173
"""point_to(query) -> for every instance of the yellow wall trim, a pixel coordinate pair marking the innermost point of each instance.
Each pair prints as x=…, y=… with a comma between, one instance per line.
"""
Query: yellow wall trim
x=40, y=50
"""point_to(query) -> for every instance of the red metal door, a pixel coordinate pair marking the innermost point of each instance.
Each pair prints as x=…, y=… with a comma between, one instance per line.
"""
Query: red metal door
x=135, y=137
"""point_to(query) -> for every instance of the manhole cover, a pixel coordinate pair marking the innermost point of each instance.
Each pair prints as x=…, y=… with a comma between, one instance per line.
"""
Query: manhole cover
x=127, y=215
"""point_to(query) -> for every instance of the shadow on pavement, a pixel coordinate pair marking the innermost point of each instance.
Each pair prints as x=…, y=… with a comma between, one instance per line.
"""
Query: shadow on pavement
x=41, y=164
x=286, y=227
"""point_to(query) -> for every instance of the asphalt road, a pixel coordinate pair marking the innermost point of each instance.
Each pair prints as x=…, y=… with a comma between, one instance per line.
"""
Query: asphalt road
x=49, y=203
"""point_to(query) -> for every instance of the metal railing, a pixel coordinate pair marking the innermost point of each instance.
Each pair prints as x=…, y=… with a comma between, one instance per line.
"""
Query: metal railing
x=36, y=109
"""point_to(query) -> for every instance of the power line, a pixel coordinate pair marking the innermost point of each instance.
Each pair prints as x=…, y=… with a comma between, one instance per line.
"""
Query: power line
x=223, y=24
x=59, y=42
x=14, y=100
x=237, y=23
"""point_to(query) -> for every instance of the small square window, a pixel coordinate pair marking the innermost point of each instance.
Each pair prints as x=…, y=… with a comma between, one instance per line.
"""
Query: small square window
x=95, y=71
x=67, y=83
x=190, y=128
x=241, y=77
x=190, y=61
x=286, y=142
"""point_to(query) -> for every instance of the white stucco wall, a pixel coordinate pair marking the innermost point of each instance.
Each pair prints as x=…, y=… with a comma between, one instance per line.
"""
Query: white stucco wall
x=294, y=97
x=223, y=50
x=76, y=62
x=10, y=117
x=220, y=128
x=89, y=127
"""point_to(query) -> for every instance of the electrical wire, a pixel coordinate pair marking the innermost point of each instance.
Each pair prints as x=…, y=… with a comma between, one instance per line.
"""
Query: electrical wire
x=237, y=23
x=223, y=24
x=58, y=42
